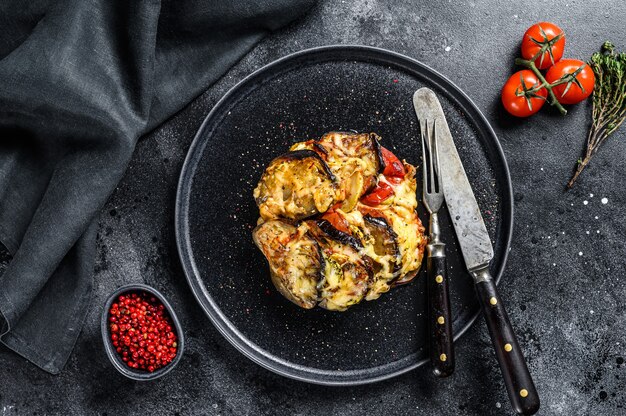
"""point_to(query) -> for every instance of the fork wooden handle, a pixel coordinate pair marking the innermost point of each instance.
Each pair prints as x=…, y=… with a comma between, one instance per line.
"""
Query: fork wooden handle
x=440, y=319
x=519, y=383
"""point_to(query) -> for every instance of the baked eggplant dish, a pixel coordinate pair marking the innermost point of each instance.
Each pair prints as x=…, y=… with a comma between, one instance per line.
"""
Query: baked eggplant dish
x=338, y=221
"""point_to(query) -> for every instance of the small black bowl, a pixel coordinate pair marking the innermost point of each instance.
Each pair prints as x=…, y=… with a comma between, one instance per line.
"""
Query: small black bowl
x=116, y=360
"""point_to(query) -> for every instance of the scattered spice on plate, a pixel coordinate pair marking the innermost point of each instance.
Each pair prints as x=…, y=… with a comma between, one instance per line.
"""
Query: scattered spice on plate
x=142, y=332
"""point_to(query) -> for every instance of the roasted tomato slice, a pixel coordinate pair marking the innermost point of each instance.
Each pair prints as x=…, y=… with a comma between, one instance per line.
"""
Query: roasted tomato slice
x=337, y=220
x=380, y=193
x=393, y=166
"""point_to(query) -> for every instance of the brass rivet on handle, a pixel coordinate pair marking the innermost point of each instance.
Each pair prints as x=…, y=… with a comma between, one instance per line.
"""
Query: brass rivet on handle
x=508, y=347
x=444, y=357
x=493, y=300
x=439, y=278
x=441, y=320
x=523, y=392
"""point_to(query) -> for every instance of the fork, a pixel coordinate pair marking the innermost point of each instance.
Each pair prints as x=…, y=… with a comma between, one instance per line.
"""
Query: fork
x=440, y=318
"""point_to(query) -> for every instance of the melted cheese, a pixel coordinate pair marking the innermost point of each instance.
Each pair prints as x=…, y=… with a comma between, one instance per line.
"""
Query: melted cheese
x=294, y=189
x=399, y=211
x=406, y=223
x=385, y=272
x=294, y=260
x=352, y=158
x=341, y=286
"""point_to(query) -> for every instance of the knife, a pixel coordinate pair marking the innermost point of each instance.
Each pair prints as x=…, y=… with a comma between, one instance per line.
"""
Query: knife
x=477, y=252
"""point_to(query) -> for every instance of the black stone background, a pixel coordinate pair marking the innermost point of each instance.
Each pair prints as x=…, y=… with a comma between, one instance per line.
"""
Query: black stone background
x=564, y=280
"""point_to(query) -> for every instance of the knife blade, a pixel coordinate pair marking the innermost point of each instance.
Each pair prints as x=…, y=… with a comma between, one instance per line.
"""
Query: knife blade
x=477, y=252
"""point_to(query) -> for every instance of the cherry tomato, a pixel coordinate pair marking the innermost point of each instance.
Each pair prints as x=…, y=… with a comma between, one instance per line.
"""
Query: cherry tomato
x=543, y=35
x=393, y=166
x=337, y=220
x=381, y=192
x=517, y=97
x=571, y=92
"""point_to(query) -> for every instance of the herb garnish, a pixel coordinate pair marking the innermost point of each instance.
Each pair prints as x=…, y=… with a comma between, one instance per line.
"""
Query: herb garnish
x=609, y=101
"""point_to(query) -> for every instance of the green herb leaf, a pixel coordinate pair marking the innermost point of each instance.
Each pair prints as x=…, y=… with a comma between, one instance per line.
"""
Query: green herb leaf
x=609, y=100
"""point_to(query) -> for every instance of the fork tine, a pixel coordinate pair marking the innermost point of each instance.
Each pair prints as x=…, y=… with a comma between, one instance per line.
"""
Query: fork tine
x=424, y=131
x=431, y=163
x=435, y=157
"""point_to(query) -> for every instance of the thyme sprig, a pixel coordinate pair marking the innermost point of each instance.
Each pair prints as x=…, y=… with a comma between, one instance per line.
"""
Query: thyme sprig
x=609, y=102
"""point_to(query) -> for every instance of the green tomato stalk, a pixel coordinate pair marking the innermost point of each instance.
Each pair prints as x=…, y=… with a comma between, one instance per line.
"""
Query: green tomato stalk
x=568, y=79
x=530, y=64
x=546, y=45
x=609, y=102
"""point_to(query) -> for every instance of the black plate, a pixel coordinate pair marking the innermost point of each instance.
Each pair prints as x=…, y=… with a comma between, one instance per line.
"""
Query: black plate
x=295, y=98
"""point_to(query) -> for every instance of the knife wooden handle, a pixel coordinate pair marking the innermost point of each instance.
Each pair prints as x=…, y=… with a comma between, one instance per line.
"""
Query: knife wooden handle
x=519, y=383
x=440, y=318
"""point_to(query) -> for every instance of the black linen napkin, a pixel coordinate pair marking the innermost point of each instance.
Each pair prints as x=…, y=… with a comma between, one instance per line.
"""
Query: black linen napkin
x=80, y=82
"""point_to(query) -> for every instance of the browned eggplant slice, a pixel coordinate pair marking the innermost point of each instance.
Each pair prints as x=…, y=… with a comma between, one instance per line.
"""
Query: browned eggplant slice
x=295, y=260
x=346, y=273
x=410, y=238
x=365, y=146
x=401, y=216
x=355, y=160
x=379, y=153
x=362, y=147
x=385, y=240
x=310, y=145
x=387, y=260
x=296, y=185
x=407, y=278
x=340, y=236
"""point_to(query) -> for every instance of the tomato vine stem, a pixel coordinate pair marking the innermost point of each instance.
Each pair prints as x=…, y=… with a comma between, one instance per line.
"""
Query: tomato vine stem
x=530, y=64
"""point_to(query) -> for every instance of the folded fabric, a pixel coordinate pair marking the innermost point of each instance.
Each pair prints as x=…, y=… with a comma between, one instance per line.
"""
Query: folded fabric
x=80, y=82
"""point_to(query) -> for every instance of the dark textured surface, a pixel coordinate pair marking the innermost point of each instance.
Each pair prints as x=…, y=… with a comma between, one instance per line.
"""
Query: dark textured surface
x=564, y=278
x=310, y=94
x=79, y=86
